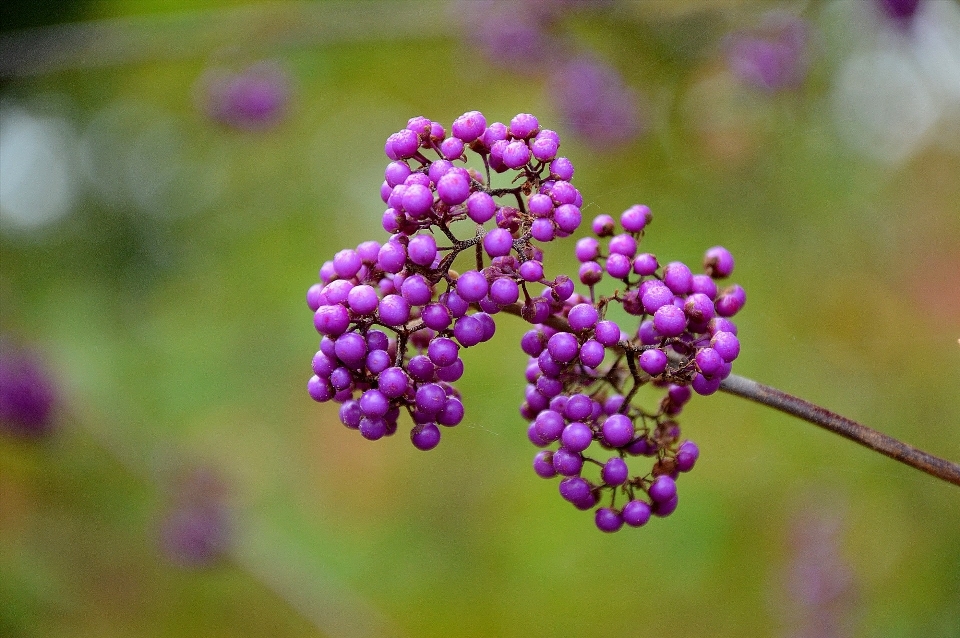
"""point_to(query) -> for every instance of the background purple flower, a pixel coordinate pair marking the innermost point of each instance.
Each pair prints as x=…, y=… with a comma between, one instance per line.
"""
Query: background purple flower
x=773, y=57
x=195, y=528
x=595, y=103
x=27, y=393
x=902, y=10
x=254, y=98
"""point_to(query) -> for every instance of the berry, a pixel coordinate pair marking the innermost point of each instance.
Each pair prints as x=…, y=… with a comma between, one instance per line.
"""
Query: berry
x=617, y=430
x=608, y=520
x=636, y=513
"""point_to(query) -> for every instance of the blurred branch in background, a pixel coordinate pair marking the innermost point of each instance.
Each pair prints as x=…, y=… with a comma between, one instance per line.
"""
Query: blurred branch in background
x=138, y=39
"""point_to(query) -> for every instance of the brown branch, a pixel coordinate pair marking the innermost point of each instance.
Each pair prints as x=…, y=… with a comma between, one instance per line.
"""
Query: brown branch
x=821, y=417
x=847, y=428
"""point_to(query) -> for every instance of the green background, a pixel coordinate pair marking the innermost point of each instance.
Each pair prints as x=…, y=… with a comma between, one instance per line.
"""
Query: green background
x=169, y=305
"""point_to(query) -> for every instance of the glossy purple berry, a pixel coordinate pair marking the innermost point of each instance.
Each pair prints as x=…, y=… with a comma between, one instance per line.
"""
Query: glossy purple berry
x=636, y=513
x=481, y=207
x=425, y=436
x=662, y=489
x=454, y=187
x=592, y=353
x=677, y=277
x=472, y=286
x=687, y=456
x=726, y=345
x=574, y=489
x=563, y=347
x=567, y=463
x=543, y=464
x=576, y=437
x=469, y=126
x=670, y=321
x=653, y=362
x=498, y=242
x=617, y=430
x=615, y=471
x=422, y=249
x=635, y=218
x=730, y=301
x=608, y=520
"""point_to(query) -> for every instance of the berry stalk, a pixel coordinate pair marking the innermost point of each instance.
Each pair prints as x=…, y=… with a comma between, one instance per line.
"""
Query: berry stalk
x=819, y=416
x=847, y=428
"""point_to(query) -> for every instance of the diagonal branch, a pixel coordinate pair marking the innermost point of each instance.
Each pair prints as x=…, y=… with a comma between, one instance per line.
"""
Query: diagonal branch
x=819, y=416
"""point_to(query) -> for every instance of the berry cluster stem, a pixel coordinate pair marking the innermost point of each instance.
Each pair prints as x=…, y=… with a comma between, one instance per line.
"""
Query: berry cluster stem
x=847, y=428
x=819, y=416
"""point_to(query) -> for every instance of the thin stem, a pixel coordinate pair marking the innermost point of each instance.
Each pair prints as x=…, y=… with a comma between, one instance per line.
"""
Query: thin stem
x=819, y=416
x=847, y=428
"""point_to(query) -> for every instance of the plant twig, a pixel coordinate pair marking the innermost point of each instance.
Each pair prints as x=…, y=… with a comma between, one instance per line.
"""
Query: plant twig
x=819, y=416
x=848, y=428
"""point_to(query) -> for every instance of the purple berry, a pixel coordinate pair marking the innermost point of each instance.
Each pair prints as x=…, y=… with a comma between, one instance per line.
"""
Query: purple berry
x=331, y=320
x=563, y=347
x=468, y=331
x=576, y=437
x=617, y=430
x=718, y=262
x=516, y=154
x=481, y=207
x=425, y=436
x=469, y=126
x=573, y=489
x=730, y=301
x=603, y=225
x=543, y=464
x=422, y=249
x=567, y=463
x=624, y=245
x=615, y=471
x=653, y=362
x=677, y=277
x=454, y=187
x=472, y=286
x=645, y=264
x=394, y=310
x=592, y=353
x=636, y=513
x=607, y=333
x=436, y=316
x=443, y=351
x=635, y=218
x=608, y=520
x=363, y=299
x=498, y=242
x=687, y=456
x=669, y=321
x=726, y=344
x=504, y=291
x=531, y=271
x=662, y=489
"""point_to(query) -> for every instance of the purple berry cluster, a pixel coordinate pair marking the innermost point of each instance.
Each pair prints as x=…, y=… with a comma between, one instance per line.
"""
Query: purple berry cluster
x=585, y=371
x=394, y=315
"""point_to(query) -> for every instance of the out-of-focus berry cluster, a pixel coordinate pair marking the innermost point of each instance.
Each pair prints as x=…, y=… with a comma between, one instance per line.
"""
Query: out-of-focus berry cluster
x=585, y=371
x=394, y=315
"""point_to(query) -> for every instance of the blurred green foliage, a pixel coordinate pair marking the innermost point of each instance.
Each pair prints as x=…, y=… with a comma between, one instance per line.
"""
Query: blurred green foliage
x=169, y=304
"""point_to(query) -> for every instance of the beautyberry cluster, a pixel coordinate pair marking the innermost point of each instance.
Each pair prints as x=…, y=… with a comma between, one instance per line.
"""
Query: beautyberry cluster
x=394, y=315
x=585, y=371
